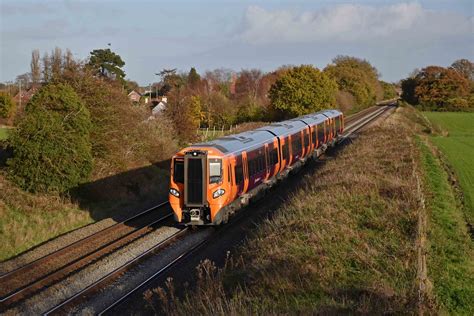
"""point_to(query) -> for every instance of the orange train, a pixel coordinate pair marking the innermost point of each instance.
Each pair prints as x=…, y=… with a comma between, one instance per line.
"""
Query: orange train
x=210, y=181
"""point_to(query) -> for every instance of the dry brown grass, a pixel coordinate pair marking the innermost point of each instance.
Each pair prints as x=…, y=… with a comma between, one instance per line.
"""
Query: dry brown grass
x=345, y=243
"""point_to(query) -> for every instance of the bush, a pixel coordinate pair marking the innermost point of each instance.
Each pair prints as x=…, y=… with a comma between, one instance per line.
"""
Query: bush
x=7, y=106
x=302, y=90
x=52, y=149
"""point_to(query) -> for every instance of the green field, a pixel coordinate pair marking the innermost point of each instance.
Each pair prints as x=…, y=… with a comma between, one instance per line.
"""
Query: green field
x=458, y=148
x=3, y=133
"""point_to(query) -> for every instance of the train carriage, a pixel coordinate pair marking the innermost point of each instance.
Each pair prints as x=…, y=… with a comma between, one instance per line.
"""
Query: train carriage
x=210, y=180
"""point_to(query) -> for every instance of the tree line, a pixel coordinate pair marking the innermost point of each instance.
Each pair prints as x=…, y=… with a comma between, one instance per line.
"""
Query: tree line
x=224, y=97
x=436, y=88
x=81, y=124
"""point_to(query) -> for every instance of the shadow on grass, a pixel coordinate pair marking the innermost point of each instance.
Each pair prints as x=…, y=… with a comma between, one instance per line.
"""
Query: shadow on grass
x=125, y=194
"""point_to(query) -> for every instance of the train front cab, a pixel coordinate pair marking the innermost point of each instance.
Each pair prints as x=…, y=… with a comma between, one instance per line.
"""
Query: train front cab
x=199, y=186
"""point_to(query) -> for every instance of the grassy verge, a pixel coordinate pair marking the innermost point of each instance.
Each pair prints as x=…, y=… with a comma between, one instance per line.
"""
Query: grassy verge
x=451, y=252
x=456, y=142
x=343, y=244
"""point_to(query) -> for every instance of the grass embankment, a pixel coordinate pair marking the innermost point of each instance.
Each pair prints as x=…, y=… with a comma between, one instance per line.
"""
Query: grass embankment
x=450, y=257
x=343, y=244
x=456, y=142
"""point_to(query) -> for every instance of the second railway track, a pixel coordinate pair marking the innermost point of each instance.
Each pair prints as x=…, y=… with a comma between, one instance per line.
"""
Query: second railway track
x=26, y=280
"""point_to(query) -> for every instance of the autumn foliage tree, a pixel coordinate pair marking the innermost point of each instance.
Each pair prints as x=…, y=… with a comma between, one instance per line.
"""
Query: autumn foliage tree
x=438, y=88
x=301, y=90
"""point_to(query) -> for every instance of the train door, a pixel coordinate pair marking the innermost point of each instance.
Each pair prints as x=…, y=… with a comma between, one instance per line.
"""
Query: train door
x=245, y=164
x=307, y=144
x=285, y=152
x=314, y=136
x=239, y=175
x=267, y=162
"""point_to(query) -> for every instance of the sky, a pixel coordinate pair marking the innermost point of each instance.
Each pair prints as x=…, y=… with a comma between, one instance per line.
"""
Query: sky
x=394, y=36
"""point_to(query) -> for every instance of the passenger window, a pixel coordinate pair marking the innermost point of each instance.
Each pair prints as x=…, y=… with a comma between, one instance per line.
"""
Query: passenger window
x=215, y=170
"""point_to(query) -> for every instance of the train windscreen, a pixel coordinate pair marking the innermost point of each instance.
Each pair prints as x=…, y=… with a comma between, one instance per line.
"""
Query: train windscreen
x=178, y=171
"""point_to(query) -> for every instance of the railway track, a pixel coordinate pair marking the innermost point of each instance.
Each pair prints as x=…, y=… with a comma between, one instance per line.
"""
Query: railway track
x=26, y=280
x=74, y=300
x=358, y=122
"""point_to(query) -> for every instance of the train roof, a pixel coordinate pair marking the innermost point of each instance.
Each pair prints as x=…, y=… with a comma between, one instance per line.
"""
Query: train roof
x=284, y=128
x=312, y=119
x=236, y=143
x=330, y=113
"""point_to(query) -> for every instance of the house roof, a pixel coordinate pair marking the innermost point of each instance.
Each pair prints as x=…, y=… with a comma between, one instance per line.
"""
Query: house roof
x=134, y=92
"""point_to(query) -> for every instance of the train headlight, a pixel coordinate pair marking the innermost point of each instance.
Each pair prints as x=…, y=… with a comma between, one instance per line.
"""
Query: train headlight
x=174, y=192
x=217, y=193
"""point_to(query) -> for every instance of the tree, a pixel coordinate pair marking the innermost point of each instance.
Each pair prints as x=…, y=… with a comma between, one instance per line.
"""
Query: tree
x=358, y=77
x=35, y=67
x=56, y=62
x=46, y=67
x=131, y=85
x=247, y=83
x=106, y=63
x=435, y=86
x=408, y=90
x=303, y=90
x=389, y=91
x=465, y=68
x=170, y=80
x=52, y=149
x=193, y=78
x=7, y=106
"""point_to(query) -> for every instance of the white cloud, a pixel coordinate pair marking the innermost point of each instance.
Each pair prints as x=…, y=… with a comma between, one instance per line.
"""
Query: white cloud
x=351, y=23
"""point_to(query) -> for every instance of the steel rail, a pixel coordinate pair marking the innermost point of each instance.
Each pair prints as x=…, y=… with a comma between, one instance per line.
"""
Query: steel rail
x=37, y=283
x=113, y=274
x=178, y=258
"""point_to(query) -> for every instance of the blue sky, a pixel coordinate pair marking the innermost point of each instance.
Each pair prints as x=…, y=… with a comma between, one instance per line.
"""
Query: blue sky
x=395, y=36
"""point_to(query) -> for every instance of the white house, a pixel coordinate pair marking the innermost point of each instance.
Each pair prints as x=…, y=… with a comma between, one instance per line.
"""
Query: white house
x=160, y=106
